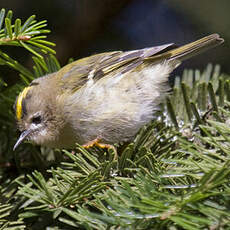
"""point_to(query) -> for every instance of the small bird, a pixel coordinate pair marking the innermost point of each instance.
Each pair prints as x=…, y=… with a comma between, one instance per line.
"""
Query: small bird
x=102, y=99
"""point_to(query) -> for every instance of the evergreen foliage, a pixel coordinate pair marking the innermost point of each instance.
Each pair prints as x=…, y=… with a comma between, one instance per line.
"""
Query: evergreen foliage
x=174, y=175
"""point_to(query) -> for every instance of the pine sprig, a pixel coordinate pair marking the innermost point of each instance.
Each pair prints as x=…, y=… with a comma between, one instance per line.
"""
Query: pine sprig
x=28, y=35
x=187, y=184
x=44, y=66
x=167, y=177
x=9, y=225
x=174, y=175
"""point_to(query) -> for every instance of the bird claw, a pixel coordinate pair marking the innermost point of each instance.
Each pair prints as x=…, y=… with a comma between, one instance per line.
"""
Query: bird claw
x=96, y=142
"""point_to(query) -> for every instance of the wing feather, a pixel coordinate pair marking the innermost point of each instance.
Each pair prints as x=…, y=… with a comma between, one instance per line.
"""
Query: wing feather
x=76, y=73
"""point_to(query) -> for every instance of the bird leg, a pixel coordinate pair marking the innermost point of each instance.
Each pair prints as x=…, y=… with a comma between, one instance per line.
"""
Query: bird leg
x=96, y=142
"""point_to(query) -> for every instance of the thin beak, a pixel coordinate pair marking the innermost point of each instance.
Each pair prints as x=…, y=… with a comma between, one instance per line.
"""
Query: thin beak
x=22, y=137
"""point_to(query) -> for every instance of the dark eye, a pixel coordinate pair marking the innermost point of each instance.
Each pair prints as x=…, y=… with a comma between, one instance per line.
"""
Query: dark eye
x=36, y=119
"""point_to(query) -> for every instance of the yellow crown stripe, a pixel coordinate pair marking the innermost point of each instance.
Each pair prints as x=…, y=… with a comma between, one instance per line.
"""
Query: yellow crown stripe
x=21, y=96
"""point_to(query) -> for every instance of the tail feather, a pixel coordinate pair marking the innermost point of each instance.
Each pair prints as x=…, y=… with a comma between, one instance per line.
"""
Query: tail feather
x=184, y=52
x=189, y=50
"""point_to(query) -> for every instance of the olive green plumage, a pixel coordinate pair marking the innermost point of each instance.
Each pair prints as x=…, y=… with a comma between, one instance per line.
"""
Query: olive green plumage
x=106, y=97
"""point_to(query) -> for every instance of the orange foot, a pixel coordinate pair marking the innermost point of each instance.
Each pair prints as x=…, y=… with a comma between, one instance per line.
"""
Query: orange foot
x=96, y=142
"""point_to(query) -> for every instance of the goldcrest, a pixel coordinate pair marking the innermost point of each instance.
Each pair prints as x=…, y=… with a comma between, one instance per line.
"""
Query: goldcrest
x=104, y=98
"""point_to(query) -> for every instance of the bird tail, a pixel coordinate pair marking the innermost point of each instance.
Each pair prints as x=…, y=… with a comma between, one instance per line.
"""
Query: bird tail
x=184, y=52
x=189, y=50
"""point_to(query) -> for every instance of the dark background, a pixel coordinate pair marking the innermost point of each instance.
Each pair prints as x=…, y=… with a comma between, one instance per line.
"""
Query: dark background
x=84, y=27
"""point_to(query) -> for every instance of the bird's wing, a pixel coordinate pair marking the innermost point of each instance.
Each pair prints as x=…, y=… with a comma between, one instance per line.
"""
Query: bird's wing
x=97, y=66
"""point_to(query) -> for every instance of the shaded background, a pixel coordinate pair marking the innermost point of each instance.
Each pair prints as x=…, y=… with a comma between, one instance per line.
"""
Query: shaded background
x=84, y=27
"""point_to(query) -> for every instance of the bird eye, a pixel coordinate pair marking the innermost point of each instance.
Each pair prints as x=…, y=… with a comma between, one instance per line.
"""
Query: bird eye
x=36, y=119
